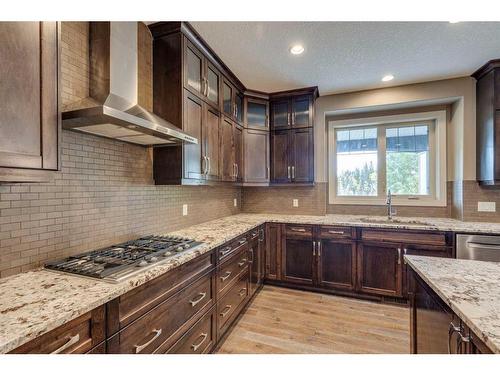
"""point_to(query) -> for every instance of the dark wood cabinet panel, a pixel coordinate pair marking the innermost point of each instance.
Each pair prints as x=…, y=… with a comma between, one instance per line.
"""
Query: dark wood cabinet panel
x=297, y=255
x=227, y=154
x=238, y=107
x=488, y=123
x=280, y=114
x=200, y=339
x=238, y=151
x=194, y=69
x=337, y=264
x=256, y=156
x=230, y=305
x=212, y=81
x=379, y=268
x=273, y=251
x=29, y=93
x=302, y=163
x=211, y=146
x=280, y=157
x=227, y=98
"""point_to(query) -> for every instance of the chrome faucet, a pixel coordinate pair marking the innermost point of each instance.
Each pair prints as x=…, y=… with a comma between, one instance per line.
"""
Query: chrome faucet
x=390, y=210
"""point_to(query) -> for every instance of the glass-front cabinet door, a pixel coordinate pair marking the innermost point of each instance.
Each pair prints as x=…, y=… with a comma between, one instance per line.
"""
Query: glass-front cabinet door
x=280, y=114
x=193, y=75
x=257, y=114
x=213, y=84
x=301, y=112
x=238, y=107
x=227, y=99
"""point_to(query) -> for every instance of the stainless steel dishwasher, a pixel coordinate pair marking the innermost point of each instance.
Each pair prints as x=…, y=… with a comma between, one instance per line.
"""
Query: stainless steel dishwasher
x=478, y=247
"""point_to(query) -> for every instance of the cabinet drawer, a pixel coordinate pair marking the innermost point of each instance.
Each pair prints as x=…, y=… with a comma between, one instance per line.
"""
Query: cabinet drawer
x=199, y=339
x=140, y=300
x=230, y=270
x=299, y=230
x=427, y=237
x=228, y=306
x=77, y=336
x=159, y=328
x=232, y=247
x=253, y=234
x=328, y=232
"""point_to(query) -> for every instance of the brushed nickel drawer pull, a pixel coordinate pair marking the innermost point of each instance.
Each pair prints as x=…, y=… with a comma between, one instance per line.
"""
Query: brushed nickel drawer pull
x=242, y=241
x=289, y=172
x=243, y=292
x=195, y=347
x=224, y=278
x=243, y=262
x=225, y=251
x=336, y=232
x=399, y=255
x=138, y=348
x=197, y=301
x=298, y=229
x=71, y=340
x=228, y=307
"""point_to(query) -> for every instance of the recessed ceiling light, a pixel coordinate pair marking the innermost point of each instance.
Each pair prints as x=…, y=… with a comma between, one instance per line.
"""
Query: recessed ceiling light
x=387, y=78
x=453, y=21
x=297, y=49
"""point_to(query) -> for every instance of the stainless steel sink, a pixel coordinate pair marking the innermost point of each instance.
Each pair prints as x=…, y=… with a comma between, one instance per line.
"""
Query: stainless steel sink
x=395, y=221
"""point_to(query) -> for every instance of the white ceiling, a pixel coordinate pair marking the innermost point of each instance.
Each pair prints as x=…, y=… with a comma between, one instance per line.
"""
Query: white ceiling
x=350, y=56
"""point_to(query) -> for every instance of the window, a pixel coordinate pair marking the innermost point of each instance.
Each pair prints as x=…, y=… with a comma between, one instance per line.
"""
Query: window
x=401, y=154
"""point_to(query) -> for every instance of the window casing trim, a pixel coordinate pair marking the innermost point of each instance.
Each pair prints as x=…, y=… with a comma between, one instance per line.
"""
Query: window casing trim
x=437, y=156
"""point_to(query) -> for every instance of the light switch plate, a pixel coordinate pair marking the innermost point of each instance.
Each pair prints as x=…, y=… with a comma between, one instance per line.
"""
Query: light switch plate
x=295, y=203
x=235, y=202
x=184, y=210
x=486, y=206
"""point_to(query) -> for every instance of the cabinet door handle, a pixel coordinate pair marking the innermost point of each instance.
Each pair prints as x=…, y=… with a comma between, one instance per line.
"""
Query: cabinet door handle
x=225, y=251
x=293, y=172
x=288, y=119
x=204, y=166
x=71, y=340
x=451, y=330
x=194, y=302
x=208, y=87
x=314, y=248
x=237, y=170
x=336, y=231
x=399, y=255
x=298, y=229
x=404, y=253
x=319, y=248
x=242, y=292
x=461, y=340
x=226, y=276
x=242, y=241
x=209, y=165
x=138, y=348
x=243, y=262
x=227, y=308
x=289, y=176
x=195, y=347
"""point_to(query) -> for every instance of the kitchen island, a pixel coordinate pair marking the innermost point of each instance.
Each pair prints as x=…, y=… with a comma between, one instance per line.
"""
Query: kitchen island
x=455, y=305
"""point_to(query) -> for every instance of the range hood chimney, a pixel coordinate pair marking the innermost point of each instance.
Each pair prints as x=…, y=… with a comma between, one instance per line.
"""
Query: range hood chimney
x=112, y=109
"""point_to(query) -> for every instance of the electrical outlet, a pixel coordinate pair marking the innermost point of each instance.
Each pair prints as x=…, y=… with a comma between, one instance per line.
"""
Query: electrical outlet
x=184, y=210
x=235, y=202
x=295, y=203
x=486, y=206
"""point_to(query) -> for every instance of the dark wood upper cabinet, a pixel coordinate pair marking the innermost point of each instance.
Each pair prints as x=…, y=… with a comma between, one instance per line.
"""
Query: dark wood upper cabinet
x=227, y=98
x=193, y=124
x=281, y=157
x=256, y=157
x=193, y=69
x=238, y=151
x=29, y=97
x=212, y=81
x=238, y=107
x=256, y=113
x=293, y=109
x=211, y=142
x=488, y=123
x=227, y=170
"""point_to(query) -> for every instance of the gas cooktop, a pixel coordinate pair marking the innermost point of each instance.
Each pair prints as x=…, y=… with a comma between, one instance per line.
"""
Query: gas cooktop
x=119, y=262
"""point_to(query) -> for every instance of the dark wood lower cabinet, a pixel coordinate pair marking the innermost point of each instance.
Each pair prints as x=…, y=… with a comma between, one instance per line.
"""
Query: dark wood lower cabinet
x=379, y=269
x=273, y=251
x=297, y=255
x=434, y=328
x=337, y=264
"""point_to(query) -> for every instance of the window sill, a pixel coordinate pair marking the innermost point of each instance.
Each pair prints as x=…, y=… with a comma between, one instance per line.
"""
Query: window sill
x=360, y=201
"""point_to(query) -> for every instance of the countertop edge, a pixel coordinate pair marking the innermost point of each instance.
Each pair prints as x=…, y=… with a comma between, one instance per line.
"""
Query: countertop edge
x=451, y=304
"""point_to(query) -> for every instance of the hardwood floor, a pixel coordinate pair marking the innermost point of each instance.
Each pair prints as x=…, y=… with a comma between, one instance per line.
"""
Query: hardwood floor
x=283, y=320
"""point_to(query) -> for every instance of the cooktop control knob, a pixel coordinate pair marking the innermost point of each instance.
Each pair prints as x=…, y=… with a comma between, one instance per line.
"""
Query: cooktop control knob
x=153, y=259
x=186, y=246
x=142, y=263
x=167, y=253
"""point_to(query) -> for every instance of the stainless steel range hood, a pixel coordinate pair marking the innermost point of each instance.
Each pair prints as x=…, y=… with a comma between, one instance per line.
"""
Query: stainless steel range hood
x=112, y=109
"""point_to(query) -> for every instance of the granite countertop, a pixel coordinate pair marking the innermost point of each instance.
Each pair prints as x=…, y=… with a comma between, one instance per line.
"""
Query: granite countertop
x=471, y=288
x=38, y=301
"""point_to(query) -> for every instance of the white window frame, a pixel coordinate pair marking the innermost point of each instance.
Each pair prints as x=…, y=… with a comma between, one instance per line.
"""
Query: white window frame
x=437, y=157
